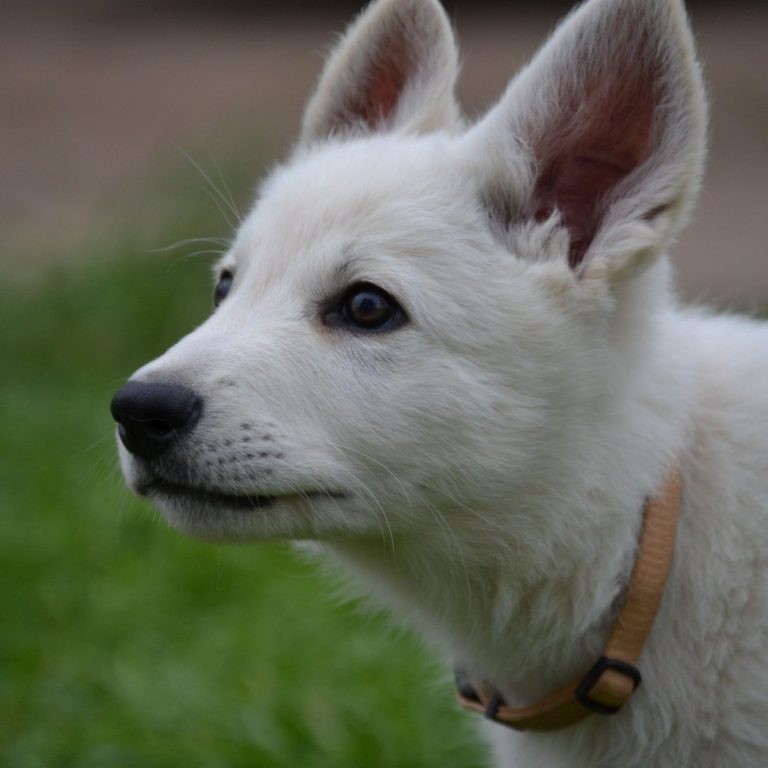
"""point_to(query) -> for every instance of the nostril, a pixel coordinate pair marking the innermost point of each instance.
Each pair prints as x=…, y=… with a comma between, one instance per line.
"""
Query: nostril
x=161, y=428
x=151, y=416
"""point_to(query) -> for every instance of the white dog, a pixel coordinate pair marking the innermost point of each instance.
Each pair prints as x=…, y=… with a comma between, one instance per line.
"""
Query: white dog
x=451, y=356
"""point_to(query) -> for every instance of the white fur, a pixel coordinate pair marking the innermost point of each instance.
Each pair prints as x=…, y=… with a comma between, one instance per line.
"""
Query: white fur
x=496, y=450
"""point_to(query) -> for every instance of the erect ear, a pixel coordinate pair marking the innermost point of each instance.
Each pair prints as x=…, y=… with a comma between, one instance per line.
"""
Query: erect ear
x=606, y=128
x=394, y=69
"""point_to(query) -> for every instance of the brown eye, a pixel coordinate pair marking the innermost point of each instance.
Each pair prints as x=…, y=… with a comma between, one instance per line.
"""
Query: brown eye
x=222, y=287
x=367, y=307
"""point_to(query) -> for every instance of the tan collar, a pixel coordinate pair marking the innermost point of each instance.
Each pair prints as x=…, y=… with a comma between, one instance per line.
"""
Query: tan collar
x=614, y=677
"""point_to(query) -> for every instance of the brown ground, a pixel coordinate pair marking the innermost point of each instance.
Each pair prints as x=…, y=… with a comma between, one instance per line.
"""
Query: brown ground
x=90, y=111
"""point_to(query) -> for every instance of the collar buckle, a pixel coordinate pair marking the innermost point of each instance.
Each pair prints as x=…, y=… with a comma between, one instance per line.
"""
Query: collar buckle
x=593, y=677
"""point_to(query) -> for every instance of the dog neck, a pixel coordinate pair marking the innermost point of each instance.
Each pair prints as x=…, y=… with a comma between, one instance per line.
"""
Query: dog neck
x=528, y=627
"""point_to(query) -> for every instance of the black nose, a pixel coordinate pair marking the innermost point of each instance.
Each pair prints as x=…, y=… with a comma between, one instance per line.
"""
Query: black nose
x=151, y=416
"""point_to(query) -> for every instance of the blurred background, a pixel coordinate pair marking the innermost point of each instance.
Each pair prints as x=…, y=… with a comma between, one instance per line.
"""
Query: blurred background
x=131, y=138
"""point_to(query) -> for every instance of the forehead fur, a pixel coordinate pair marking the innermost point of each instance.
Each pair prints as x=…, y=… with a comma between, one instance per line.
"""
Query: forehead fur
x=376, y=194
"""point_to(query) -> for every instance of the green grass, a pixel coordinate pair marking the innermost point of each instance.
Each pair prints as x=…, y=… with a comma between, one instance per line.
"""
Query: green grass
x=123, y=643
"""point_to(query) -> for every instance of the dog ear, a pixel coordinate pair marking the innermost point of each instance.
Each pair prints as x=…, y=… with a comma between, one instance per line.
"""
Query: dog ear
x=395, y=68
x=608, y=125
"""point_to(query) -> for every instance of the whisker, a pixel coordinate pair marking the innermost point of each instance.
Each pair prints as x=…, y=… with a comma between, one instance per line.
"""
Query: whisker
x=222, y=241
x=367, y=490
x=204, y=252
x=382, y=513
x=108, y=436
x=383, y=466
x=214, y=192
x=230, y=197
x=215, y=196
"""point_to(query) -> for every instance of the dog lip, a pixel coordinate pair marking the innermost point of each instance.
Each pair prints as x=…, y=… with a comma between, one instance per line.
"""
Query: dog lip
x=214, y=497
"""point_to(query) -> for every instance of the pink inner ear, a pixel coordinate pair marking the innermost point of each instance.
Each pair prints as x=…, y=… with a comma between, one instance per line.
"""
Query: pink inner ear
x=383, y=86
x=593, y=146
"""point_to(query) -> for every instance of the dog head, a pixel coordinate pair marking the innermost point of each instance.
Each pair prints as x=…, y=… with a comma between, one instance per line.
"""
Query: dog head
x=415, y=315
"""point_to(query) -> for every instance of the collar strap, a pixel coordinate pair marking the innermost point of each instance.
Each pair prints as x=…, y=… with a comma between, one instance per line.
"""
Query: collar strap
x=614, y=676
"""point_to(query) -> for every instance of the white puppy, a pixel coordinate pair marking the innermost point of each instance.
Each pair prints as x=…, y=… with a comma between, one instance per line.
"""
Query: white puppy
x=451, y=356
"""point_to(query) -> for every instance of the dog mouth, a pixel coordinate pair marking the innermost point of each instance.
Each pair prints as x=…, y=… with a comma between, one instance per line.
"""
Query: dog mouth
x=164, y=489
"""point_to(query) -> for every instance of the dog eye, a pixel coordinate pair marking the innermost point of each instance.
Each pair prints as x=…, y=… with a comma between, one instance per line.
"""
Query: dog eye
x=367, y=307
x=222, y=287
